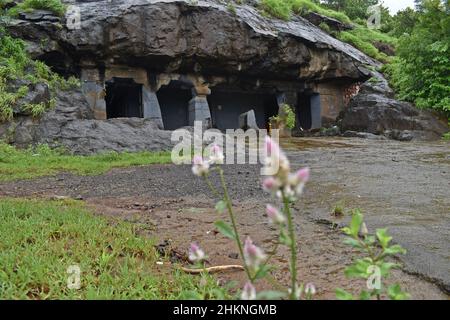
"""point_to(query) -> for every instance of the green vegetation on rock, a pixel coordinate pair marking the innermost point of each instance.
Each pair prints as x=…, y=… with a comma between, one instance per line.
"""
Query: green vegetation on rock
x=55, y=6
x=18, y=72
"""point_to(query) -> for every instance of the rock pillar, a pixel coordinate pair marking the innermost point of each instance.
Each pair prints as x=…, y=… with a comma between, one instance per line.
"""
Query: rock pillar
x=94, y=90
x=198, y=106
x=151, y=107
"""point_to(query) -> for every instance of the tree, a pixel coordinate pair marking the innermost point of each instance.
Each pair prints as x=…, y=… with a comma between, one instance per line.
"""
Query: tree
x=353, y=8
x=421, y=72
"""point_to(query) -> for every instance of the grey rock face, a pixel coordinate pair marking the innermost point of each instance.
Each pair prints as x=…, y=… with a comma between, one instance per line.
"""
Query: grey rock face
x=374, y=110
x=176, y=36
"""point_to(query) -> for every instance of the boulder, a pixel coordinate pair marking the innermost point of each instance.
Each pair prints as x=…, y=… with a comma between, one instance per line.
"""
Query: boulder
x=374, y=110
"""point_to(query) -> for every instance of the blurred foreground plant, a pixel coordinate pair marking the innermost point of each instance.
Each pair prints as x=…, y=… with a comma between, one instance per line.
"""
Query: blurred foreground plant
x=373, y=267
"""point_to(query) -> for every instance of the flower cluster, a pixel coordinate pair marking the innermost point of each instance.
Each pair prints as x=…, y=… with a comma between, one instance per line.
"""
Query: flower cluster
x=201, y=166
x=284, y=184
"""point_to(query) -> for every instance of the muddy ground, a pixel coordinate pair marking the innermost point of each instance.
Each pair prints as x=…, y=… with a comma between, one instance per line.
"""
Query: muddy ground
x=402, y=186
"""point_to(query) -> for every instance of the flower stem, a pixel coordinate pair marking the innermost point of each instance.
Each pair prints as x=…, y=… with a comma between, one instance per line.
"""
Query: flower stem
x=293, y=247
x=233, y=223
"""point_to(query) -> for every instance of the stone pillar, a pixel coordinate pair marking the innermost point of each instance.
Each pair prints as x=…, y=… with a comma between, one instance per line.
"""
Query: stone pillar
x=198, y=106
x=151, y=107
x=316, y=112
x=93, y=89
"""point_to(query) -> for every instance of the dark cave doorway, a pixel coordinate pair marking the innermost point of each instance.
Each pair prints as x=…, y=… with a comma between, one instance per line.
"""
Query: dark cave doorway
x=227, y=105
x=123, y=98
x=174, y=102
x=309, y=111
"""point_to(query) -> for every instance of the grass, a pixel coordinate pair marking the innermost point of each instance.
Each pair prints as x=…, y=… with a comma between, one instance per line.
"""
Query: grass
x=42, y=161
x=55, y=6
x=115, y=262
x=283, y=9
x=360, y=36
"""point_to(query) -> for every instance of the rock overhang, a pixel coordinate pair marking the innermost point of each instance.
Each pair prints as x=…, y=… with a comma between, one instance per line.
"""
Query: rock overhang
x=175, y=36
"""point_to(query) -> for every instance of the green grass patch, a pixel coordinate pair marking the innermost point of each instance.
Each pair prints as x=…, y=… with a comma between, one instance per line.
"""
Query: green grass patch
x=55, y=6
x=363, y=38
x=40, y=240
x=302, y=7
x=43, y=161
x=283, y=9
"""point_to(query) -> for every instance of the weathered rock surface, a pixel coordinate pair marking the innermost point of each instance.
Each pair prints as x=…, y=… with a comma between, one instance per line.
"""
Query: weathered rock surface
x=72, y=126
x=177, y=36
x=374, y=110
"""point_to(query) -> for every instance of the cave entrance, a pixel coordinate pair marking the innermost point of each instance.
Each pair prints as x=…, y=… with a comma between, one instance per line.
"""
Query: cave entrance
x=309, y=111
x=174, y=102
x=123, y=98
x=226, y=106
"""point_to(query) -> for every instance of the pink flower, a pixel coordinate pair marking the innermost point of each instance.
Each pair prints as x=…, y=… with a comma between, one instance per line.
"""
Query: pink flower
x=200, y=167
x=271, y=185
x=303, y=175
x=275, y=216
x=249, y=292
x=253, y=255
x=271, y=146
x=310, y=289
x=274, y=155
x=196, y=254
x=216, y=155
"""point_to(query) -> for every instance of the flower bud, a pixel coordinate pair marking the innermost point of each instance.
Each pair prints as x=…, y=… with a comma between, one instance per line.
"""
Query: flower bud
x=249, y=292
x=275, y=215
x=196, y=254
x=200, y=167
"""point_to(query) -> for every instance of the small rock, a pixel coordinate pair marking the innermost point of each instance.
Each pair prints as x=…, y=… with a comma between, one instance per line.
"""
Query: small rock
x=233, y=256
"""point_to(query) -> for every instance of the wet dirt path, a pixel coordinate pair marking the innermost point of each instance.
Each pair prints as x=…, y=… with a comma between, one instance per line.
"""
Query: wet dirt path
x=402, y=186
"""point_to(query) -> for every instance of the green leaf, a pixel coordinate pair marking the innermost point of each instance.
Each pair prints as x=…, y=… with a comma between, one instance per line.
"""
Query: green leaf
x=262, y=271
x=225, y=229
x=395, y=249
x=383, y=237
x=355, y=224
x=359, y=269
x=341, y=294
x=221, y=206
x=352, y=242
x=396, y=293
x=270, y=295
x=365, y=295
x=386, y=267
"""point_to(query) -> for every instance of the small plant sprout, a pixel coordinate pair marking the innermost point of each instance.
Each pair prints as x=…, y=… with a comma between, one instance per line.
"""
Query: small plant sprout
x=373, y=266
